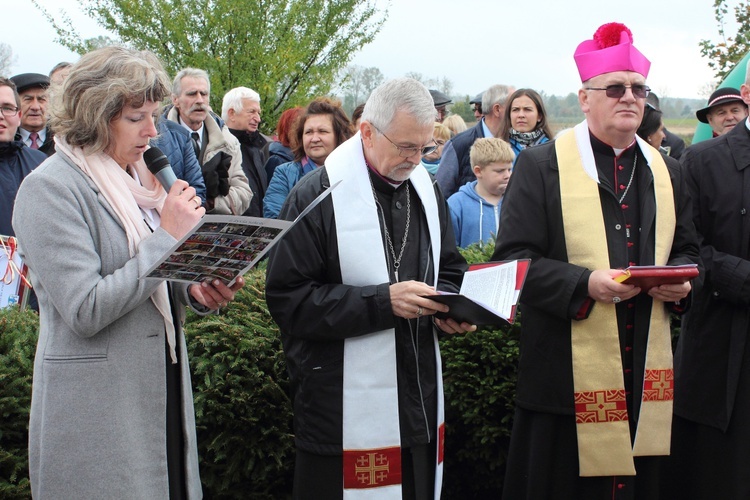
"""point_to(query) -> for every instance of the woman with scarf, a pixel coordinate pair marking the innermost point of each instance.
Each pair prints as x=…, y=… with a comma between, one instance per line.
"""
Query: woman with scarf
x=112, y=408
x=525, y=121
x=320, y=128
x=440, y=135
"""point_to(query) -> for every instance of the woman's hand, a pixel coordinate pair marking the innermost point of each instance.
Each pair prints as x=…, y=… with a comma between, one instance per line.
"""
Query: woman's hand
x=182, y=209
x=215, y=294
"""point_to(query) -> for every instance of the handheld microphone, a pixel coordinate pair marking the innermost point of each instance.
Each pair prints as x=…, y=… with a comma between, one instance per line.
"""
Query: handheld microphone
x=159, y=165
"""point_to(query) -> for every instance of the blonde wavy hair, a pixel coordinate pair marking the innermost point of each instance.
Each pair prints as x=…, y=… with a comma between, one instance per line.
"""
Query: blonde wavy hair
x=99, y=86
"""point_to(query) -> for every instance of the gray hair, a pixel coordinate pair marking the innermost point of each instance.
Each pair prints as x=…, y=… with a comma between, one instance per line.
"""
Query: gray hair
x=100, y=85
x=401, y=94
x=233, y=100
x=497, y=94
x=59, y=66
x=191, y=72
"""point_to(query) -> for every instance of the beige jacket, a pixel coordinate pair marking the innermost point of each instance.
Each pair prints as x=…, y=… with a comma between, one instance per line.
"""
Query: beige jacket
x=221, y=139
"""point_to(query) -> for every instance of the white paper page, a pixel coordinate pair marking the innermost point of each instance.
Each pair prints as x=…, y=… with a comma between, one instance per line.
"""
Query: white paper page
x=494, y=287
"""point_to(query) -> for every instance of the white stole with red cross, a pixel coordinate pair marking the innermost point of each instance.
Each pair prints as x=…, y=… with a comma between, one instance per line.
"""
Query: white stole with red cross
x=604, y=444
x=371, y=435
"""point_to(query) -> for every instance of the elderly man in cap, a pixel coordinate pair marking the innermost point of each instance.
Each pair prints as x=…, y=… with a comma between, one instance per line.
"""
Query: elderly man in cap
x=34, y=132
x=594, y=394
x=441, y=101
x=711, y=443
x=476, y=106
x=358, y=328
x=724, y=110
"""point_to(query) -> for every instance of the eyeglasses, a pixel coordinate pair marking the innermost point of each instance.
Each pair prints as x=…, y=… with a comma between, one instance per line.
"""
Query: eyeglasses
x=618, y=90
x=9, y=111
x=405, y=152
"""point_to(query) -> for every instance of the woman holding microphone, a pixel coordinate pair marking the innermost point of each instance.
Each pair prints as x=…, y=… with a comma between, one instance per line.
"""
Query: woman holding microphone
x=112, y=408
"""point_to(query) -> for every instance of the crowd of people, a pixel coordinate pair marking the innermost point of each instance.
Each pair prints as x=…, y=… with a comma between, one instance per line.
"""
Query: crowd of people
x=601, y=401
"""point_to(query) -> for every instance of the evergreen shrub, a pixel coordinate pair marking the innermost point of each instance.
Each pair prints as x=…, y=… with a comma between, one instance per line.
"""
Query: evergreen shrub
x=18, y=334
x=243, y=409
x=241, y=392
x=479, y=376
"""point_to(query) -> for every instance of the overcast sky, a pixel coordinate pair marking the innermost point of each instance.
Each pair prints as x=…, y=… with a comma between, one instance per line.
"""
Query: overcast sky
x=474, y=43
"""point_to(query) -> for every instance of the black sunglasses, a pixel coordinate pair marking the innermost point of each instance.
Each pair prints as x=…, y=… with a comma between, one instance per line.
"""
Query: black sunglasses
x=618, y=90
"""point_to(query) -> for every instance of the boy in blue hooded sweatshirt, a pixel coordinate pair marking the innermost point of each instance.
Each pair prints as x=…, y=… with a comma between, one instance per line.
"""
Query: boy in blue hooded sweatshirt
x=475, y=208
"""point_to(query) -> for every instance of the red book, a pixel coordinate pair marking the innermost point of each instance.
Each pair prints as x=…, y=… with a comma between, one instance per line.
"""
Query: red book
x=646, y=277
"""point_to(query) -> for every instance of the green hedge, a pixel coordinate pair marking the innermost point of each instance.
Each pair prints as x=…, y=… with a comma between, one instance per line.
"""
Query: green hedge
x=18, y=332
x=243, y=410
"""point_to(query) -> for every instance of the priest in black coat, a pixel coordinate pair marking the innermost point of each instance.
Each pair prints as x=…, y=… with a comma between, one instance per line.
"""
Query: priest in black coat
x=595, y=379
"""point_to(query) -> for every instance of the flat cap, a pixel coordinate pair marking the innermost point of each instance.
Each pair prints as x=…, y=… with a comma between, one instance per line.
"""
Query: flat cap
x=439, y=98
x=28, y=80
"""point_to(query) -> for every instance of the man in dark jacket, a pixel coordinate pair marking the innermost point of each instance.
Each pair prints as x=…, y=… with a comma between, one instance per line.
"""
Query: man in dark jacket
x=16, y=159
x=348, y=286
x=594, y=394
x=34, y=132
x=241, y=112
x=455, y=166
x=711, y=442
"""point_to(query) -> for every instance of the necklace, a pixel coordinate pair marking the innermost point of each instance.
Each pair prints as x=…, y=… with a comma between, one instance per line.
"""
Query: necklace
x=632, y=174
x=396, y=260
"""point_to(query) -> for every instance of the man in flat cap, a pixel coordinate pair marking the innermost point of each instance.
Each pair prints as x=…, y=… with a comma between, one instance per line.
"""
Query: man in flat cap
x=34, y=132
x=594, y=393
x=724, y=110
x=441, y=101
x=476, y=106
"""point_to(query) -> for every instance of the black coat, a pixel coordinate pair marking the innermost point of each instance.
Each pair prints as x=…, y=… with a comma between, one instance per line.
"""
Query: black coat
x=316, y=312
x=709, y=357
x=48, y=147
x=254, y=156
x=531, y=226
x=16, y=162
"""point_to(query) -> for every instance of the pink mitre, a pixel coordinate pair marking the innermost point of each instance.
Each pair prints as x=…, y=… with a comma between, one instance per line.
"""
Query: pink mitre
x=611, y=50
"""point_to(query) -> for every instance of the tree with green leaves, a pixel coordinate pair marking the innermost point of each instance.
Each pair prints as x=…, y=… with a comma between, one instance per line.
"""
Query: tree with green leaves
x=723, y=55
x=289, y=51
x=462, y=107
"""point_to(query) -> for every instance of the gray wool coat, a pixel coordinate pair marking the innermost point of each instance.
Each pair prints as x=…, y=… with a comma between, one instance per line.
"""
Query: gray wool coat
x=98, y=408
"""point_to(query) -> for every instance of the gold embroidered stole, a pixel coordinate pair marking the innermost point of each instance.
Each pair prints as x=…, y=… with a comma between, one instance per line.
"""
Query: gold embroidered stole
x=604, y=447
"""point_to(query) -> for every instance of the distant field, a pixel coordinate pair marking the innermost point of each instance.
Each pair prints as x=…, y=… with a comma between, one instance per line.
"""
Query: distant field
x=684, y=127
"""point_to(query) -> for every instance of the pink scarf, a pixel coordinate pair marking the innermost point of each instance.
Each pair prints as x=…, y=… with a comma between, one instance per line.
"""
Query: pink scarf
x=126, y=197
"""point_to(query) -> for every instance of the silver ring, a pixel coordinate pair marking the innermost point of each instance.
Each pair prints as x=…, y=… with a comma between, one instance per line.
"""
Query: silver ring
x=420, y=311
x=616, y=300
